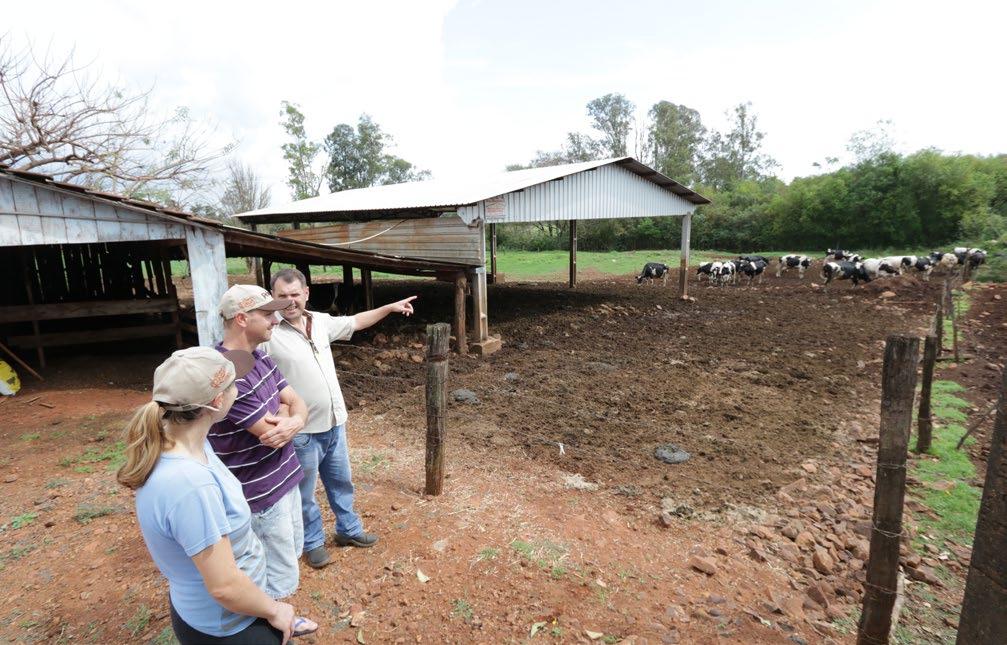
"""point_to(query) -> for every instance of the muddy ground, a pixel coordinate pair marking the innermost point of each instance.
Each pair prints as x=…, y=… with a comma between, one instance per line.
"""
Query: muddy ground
x=551, y=525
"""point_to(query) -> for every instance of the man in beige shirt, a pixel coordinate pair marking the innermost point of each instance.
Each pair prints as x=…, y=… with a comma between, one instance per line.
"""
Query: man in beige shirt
x=300, y=347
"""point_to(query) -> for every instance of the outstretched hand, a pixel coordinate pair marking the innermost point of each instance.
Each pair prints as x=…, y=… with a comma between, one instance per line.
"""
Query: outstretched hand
x=403, y=307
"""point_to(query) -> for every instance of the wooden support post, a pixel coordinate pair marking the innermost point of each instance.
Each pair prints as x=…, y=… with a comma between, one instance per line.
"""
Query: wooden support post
x=437, y=404
x=461, y=343
x=256, y=267
x=304, y=268
x=347, y=297
x=26, y=259
x=983, y=618
x=573, y=253
x=368, y=285
x=492, y=278
x=267, y=273
x=925, y=421
x=208, y=268
x=683, y=265
x=898, y=385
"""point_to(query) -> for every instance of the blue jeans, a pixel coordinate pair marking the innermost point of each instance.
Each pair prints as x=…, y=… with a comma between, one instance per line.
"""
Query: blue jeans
x=326, y=454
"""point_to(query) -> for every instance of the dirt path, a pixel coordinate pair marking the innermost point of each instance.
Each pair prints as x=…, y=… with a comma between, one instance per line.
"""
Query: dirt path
x=551, y=526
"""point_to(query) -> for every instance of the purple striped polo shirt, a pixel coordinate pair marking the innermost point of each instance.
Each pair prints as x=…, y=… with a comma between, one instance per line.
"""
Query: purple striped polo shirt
x=266, y=474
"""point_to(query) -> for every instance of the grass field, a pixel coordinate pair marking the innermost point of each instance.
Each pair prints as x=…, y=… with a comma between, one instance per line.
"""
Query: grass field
x=552, y=265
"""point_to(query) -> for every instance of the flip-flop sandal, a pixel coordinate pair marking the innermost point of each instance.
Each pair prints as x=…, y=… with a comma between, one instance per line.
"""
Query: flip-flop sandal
x=297, y=630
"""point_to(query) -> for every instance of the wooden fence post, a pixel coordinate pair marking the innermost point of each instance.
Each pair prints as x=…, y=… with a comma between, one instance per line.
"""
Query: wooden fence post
x=954, y=325
x=438, y=336
x=926, y=423
x=939, y=327
x=983, y=618
x=898, y=386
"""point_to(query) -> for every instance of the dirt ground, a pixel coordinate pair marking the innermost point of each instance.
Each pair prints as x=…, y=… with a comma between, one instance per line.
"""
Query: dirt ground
x=557, y=523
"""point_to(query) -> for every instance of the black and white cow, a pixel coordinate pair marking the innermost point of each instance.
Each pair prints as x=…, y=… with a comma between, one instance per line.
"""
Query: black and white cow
x=752, y=269
x=972, y=257
x=710, y=269
x=753, y=258
x=838, y=255
x=728, y=273
x=787, y=262
x=845, y=271
x=653, y=270
x=880, y=267
x=947, y=262
x=923, y=265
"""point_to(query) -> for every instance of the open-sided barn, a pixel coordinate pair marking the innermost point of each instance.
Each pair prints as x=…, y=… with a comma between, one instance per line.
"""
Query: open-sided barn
x=450, y=220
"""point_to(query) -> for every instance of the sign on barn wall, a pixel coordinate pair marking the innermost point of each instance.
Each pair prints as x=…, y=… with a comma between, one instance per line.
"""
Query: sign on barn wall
x=495, y=209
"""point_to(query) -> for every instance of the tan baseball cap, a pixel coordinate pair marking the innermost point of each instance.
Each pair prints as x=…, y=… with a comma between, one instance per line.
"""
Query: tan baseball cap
x=242, y=298
x=192, y=377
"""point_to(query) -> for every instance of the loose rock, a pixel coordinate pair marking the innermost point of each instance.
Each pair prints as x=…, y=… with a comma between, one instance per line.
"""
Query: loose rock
x=465, y=396
x=704, y=565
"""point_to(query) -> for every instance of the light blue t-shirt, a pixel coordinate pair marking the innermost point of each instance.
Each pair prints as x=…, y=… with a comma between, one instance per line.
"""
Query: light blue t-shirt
x=183, y=508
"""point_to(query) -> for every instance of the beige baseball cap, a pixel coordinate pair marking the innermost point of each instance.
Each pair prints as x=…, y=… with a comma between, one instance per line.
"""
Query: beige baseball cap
x=242, y=298
x=192, y=377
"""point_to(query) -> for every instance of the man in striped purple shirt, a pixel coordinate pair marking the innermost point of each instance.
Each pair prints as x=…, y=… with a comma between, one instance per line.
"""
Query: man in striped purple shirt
x=253, y=440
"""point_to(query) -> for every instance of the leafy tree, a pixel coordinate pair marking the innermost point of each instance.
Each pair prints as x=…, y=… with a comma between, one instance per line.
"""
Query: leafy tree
x=612, y=116
x=736, y=155
x=358, y=158
x=675, y=140
x=872, y=142
x=58, y=119
x=302, y=178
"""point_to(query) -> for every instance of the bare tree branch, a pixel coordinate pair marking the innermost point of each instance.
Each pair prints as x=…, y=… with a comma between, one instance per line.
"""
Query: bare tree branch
x=57, y=119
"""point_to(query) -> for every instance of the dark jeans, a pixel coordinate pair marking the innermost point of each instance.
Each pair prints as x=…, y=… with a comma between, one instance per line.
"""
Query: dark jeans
x=259, y=632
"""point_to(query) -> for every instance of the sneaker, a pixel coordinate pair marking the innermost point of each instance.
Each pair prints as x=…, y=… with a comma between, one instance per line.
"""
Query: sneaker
x=317, y=557
x=362, y=540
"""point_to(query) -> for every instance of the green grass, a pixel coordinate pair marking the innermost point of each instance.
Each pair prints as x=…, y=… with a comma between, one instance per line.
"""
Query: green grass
x=487, y=554
x=138, y=622
x=30, y=436
x=958, y=507
x=87, y=512
x=962, y=301
x=22, y=520
x=462, y=609
x=524, y=265
x=115, y=455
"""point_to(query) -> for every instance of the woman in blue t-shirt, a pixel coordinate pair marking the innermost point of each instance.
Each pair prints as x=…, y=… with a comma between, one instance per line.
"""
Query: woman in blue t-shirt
x=191, y=510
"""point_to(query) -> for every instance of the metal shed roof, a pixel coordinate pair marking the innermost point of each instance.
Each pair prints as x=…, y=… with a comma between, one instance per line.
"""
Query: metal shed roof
x=428, y=198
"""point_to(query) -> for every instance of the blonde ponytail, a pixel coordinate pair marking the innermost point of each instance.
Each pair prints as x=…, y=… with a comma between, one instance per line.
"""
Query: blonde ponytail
x=145, y=440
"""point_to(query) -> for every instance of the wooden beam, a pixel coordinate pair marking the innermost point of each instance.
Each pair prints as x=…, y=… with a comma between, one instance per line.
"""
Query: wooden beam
x=64, y=310
x=683, y=267
x=29, y=291
x=56, y=339
x=573, y=253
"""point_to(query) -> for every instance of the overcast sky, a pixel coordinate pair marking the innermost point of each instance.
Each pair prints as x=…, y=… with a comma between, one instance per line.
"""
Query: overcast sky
x=468, y=86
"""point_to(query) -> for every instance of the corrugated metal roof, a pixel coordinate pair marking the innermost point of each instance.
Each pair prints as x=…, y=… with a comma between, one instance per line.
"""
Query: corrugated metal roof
x=244, y=243
x=447, y=194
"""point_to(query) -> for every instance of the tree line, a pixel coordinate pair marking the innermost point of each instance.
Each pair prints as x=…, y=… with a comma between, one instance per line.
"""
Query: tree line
x=57, y=118
x=880, y=199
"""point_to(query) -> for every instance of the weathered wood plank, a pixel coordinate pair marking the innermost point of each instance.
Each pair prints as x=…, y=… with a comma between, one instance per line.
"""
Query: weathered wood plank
x=208, y=268
x=57, y=339
x=80, y=225
x=53, y=223
x=27, y=208
x=60, y=311
x=109, y=228
x=10, y=232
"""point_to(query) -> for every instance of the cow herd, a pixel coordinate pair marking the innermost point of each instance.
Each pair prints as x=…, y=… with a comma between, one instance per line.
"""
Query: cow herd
x=837, y=265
